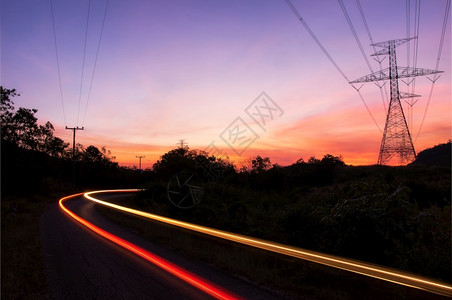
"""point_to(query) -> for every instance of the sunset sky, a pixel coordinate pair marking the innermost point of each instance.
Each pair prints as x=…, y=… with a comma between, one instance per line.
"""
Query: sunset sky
x=171, y=70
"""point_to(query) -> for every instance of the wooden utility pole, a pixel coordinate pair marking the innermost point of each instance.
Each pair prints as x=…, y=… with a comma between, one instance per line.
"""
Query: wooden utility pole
x=73, y=151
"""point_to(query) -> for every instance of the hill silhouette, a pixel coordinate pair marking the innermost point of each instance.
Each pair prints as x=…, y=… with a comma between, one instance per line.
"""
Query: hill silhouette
x=439, y=155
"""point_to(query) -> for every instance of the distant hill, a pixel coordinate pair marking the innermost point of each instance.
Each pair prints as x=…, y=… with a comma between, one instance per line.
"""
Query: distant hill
x=439, y=155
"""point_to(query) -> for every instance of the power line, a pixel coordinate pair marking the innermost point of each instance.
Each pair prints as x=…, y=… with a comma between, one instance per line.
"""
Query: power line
x=412, y=102
x=408, y=28
x=443, y=32
x=417, y=15
x=368, y=110
x=95, y=62
x=58, y=62
x=438, y=59
x=417, y=19
x=314, y=37
x=416, y=28
x=352, y=28
x=83, y=61
x=363, y=17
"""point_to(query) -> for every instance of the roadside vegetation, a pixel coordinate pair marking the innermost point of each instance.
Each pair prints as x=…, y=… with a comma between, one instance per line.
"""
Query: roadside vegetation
x=398, y=217
x=392, y=216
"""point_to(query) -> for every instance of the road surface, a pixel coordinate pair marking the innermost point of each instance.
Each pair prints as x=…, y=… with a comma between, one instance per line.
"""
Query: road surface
x=82, y=265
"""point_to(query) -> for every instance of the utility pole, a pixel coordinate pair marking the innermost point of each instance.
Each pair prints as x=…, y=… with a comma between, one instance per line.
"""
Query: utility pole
x=74, y=129
x=140, y=157
x=396, y=139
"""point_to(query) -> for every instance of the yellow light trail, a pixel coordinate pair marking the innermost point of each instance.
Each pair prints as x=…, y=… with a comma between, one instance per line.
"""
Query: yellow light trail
x=198, y=282
x=355, y=266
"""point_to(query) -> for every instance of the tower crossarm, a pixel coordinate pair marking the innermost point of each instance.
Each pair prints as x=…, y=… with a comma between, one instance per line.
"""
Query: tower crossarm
x=404, y=95
x=385, y=45
x=403, y=72
x=375, y=76
x=413, y=72
x=396, y=43
x=384, y=51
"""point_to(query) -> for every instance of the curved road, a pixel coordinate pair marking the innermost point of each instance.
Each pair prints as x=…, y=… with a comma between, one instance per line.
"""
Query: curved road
x=82, y=265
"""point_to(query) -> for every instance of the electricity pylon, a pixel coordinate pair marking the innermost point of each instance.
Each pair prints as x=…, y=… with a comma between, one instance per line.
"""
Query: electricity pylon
x=396, y=139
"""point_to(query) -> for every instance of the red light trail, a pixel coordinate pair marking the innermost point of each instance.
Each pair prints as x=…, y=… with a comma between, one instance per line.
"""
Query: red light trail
x=196, y=281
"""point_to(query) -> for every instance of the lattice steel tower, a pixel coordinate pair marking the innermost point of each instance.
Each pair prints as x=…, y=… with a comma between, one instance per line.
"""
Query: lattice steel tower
x=396, y=136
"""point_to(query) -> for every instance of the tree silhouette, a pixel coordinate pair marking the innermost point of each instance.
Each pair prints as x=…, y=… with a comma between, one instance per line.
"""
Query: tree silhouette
x=331, y=160
x=56, y=147
x=176, y=160
x=6, y=112
x=259, y=164
x=21, y=128
x=184, y=159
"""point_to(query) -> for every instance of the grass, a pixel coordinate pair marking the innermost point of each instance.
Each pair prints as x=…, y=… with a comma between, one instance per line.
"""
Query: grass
x=22, y=261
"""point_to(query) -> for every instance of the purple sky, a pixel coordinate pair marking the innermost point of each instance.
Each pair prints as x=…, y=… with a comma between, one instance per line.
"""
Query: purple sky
x=170, y=70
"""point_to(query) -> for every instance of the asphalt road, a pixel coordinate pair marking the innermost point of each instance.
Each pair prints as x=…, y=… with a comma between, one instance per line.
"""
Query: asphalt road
x=82, y=265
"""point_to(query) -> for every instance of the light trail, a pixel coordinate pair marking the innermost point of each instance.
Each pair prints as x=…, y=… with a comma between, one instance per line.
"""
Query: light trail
x=198, y=282
x=379, y=272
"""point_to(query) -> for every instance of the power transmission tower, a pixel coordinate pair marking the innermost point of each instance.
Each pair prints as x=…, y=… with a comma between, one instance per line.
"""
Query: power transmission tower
x=140, y=157
x=182, y=144
x=396, y=139
x=74, y=129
